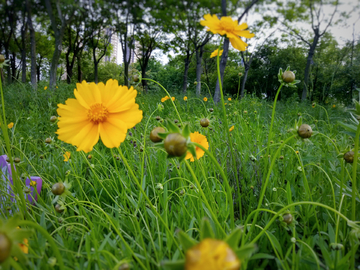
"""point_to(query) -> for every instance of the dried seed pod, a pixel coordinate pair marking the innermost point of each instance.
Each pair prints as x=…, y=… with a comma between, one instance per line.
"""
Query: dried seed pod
x=305, y=131
x=5, y=247
x=204, y=122
x=58, y=189
x=288, y=76
x=58, y=208
x=175, y=144
x=349, y=157
x=154, y=137
x=53, y=119
x=288, y=218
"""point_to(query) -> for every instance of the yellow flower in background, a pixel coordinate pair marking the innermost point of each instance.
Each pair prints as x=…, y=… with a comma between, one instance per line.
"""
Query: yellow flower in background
x=67, y=156
x=232, y=128
x=334, y=106
x=229, y=99
x=205, y=99
x=230, y=28
x=200, y=139
x=45, y=87
x=99, y=110
x=185, y=98
x=215, y=53
x=10, y=125
x=211, y=254
x=33, y=183
x=57, y=87
x=163, y=99
x=24, y=246
x=173, y=98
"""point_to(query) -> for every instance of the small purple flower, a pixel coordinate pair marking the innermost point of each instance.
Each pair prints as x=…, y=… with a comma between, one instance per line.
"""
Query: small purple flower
x=7, y=183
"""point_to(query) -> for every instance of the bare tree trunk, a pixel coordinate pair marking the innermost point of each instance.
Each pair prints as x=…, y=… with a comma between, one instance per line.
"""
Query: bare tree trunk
x=199, y=54
x=223, y=61
x=144, y=82
x=32, y=46
x=186, y=70
x=96, y=68
x=79, y=69
x=308, y=65
x=244, y=78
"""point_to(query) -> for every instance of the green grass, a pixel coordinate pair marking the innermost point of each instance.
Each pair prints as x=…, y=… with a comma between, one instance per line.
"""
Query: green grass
x=108, y=220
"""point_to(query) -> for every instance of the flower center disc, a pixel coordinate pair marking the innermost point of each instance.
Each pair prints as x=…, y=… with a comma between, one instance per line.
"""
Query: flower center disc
x=97, y=113
x=227, y=26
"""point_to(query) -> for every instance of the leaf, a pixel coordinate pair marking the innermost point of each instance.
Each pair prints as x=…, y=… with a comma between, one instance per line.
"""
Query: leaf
x=172, y=127
x=351, y=128
x=186, y=131
x=261, y=256
x=206, y=230
x=245, y=251
x=170, y=265
x=186, y=241
x=234, y=237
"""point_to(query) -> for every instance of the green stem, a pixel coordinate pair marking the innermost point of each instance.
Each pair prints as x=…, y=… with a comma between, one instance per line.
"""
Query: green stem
x=223, y=175
x=147, y=79
x=228, y=136
x=204, y=198
x=237, y=97
x=50, y=240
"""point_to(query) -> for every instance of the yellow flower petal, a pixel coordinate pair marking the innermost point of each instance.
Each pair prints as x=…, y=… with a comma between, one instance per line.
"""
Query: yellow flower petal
x=200, y=139
x=238, y=44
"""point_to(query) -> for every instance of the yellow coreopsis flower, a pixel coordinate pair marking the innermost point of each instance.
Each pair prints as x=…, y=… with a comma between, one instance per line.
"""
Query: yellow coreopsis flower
x=230, y=28
x=216, y=52
x=229, y=99
x=10, y=125
x=211, y=254
x=67, y=156
x=163, y=99
x=185, y=98
x=334, y=106
x=99, y=110
x=205, y=99
x=232, y=128
x=45, y=87
x=173, y=98
x=200, y=139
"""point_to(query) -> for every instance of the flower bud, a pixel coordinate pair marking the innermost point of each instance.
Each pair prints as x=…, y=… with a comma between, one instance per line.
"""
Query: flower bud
x=240, y=74
x=159, y=186
x=288, y=76
x=175, y=144
x=48, y=140
x=154, y=137
x=53, y=119
x=204, y=122
x=2, y=58
x=89, y=156
x=58, y=208
x=288, y=218
x=211, y=110
x=305, y=131
x=349, y=157
x=182, y=192
x=17, y=160
x=158, y=118
x=176, y=121
x=136, y=78
x=58, y=189
x=5, y=247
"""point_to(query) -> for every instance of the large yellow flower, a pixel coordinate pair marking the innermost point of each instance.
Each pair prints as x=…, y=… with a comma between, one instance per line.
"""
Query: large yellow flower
x=230, y=28
x=99, y=110
x=200, y=139
x=211, y=254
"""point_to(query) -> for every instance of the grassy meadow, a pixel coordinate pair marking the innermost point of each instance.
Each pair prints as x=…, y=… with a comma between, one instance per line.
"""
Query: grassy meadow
x=286, y=206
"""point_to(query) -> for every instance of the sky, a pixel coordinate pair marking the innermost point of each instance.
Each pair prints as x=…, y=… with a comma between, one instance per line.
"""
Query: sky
x=342, y=32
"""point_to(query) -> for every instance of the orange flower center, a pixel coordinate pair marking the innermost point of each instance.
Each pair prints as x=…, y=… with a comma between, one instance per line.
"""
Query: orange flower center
x=97, y=113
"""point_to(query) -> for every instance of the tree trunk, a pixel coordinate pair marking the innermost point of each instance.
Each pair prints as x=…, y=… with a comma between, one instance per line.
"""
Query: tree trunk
x=144, y=82
x=187, y=64
x=79, y=69
x=308, y=65
x=32, y=46
x=199, y=54
x=244, y=78
x=13, y=65
x=223, y=61
x=23, y=52
x=55, y=61
x=96, y=64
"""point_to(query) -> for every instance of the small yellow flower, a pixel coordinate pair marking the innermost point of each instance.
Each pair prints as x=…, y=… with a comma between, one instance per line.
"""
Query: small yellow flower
x=229, y=27
x=200, y=139
x=229, y=99
x=33, y=183
x=297, y=152
x=67, y=156
x=10, y=125
x=45, y=87
x=232, y=128
x=205, y=99
x=215, y=53
x=57, y=87
x=185, y=98
x=24, y=246
x=211, y=254
x=173, y=98
x=163, y=99
x=334, y=106
x=225, y=103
